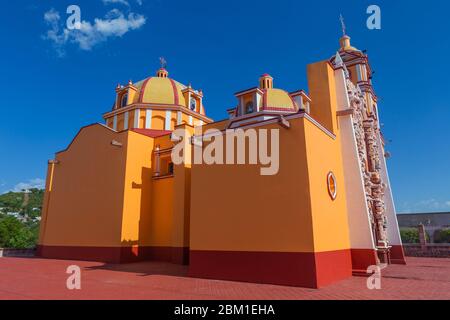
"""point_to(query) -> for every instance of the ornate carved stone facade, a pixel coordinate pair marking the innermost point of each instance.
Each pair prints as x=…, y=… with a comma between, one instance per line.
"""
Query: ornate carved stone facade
x=367, y=136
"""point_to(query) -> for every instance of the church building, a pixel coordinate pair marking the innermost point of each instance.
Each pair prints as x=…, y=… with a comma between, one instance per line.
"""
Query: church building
x=116, y=195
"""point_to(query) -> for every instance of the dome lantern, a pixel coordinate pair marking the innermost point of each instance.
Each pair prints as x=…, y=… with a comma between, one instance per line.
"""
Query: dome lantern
x=345, y=40
x=266, y=81
x=162, y=73
x=345, y=44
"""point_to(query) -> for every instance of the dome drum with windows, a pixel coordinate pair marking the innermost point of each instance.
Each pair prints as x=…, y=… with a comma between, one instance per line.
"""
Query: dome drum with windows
x=266, y=99
x=158, y=103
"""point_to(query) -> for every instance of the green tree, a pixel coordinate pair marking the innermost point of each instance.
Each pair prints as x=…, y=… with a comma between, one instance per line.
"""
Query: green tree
x=17, y=234
x=411, y=235
x=442, y=236
x=11, y=201
x=27, y=204
x=20, y=233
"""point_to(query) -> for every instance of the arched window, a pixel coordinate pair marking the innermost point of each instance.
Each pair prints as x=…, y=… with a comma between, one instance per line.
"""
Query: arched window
x=124, y=100
x=193, y=104
x=170, y=168
x=249, y=107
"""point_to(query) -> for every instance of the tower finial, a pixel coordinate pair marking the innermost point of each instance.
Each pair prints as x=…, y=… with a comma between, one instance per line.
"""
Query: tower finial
x=344, y=29
x=163, y=62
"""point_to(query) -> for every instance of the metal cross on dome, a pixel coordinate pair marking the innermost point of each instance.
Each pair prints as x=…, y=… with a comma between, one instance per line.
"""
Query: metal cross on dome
x=341, y=18
x=163, y=62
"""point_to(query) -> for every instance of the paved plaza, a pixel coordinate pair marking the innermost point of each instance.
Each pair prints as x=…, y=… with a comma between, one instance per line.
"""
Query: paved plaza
x=35, y=278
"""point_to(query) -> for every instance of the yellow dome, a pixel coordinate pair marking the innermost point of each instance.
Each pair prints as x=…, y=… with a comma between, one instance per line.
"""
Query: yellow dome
x=160, y=90
x=277, y=99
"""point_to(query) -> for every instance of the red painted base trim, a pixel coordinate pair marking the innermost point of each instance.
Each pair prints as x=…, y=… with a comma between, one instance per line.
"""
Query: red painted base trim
x=179, y=255
x=397, y=255
x=362, y=259
x=332, y=266
x=301, y=269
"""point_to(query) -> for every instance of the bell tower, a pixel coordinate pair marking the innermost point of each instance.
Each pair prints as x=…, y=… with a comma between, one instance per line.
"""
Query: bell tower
x=368, y=152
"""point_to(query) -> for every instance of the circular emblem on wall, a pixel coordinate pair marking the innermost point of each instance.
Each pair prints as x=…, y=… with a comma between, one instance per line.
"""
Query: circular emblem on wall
x=332, y=186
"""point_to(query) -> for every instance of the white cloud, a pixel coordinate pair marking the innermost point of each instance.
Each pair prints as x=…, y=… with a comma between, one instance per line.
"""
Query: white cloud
x=52, y=16
x=116, y=24
x=30, y=184
x=58, y=38
x=113, y=24
x=429, y=205
x=124, y=2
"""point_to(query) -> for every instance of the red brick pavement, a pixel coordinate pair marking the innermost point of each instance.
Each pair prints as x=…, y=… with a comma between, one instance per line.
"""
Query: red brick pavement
x=34, y=278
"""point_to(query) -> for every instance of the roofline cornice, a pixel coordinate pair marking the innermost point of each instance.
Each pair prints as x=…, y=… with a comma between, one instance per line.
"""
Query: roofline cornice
x=240, y=93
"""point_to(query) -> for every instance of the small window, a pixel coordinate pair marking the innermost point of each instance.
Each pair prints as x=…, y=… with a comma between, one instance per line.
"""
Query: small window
x=124, y=100
x=164, y=167
x=249, y=107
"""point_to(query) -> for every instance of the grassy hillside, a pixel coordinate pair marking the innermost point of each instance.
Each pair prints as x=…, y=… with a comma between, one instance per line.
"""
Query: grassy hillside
x=20, y=214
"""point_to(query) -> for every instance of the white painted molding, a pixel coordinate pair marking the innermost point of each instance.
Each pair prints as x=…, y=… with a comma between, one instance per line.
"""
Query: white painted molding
x=168, y=119
x=115, y=122
x=148, y=119
x=137, y=114
x=125, y=121
x=179, y=114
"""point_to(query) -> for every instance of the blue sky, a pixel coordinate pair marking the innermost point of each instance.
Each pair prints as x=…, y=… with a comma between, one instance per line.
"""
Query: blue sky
x=52, y=85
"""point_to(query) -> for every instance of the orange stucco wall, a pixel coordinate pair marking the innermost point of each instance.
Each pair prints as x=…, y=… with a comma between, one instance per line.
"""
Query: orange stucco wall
x=104, y=196
x=324, y=156
x=86, y=192
x=329, y=216
x=234, y=208
x=137, y=188
x=161, y=219
x=157, y=219
x=240, y=210
x=182, y=192
x=322, y=90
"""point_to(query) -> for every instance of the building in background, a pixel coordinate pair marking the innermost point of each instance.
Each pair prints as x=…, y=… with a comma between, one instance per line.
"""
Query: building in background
x=115, y=195
x=432, y=221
